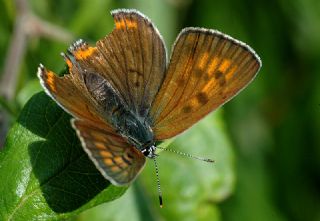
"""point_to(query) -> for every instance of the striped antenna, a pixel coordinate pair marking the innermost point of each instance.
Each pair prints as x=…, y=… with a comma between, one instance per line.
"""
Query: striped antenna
x=187, y=155
x=158, y=181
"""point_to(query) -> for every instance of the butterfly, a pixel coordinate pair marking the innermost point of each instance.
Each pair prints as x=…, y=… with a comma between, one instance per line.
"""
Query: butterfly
x=125, y=96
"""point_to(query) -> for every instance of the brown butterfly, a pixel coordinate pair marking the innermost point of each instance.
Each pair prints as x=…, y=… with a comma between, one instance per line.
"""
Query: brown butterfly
x=124, y=95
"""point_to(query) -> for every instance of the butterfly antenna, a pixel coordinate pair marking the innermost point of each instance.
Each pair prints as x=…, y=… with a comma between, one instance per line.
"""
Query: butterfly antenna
x=158, y=181
x=187, y=155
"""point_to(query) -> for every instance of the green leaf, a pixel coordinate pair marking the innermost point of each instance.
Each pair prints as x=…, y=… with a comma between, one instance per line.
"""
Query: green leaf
x=44, y=173
x=190, y=188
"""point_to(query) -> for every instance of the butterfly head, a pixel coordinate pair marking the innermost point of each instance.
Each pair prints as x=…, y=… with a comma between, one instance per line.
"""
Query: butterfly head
x=149, y=151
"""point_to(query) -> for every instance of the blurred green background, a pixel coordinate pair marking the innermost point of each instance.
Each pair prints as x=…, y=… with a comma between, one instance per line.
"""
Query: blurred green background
x=265, y=141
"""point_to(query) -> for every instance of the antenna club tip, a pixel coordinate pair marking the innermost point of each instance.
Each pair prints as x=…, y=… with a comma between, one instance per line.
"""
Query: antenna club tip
x=160, y=201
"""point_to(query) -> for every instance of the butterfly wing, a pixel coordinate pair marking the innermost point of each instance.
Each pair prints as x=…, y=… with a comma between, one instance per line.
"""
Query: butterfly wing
x=207, y=68
x=130, y=61
x=132, y=58
x=135, y=59
x=136, y=52
x=118, y=161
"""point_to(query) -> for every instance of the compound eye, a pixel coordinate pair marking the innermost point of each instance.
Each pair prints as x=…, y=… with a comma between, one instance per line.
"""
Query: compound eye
x=145, y=152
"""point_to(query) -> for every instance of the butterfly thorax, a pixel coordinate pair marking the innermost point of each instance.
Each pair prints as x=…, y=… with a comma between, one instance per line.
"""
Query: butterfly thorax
x=116, y=112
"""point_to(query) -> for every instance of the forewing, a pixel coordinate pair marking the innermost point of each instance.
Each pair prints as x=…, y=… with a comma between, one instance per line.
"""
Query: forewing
x=118, y=161
x=207, y=68
x=132, y=58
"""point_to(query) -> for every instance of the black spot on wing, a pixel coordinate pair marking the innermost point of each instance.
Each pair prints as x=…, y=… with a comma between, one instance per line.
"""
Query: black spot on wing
x=202, y=98
x=218, y=75
x=187, y=109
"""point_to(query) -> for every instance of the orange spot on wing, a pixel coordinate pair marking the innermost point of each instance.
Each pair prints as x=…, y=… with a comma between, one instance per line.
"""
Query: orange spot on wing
x=50, y=81
x=131, y=24
x=83, y=54
x=208, y=87
x=100, y=145
x=224, y=65
x=69, y=63
x=105, y=154
x=203, y=61
x=108, y=162
x=213, y=65
x=122, y=24
x=231, y=72
x=118, y=160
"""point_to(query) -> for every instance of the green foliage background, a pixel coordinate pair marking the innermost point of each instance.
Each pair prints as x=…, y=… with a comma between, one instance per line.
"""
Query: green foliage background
x=265, y=141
